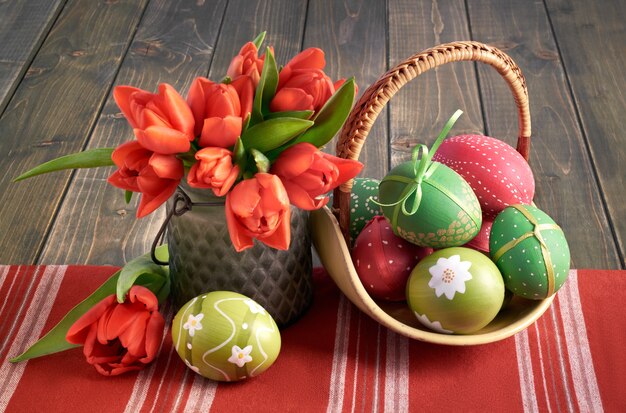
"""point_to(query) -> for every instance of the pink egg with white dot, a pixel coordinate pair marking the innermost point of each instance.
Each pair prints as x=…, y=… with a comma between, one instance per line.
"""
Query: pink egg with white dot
x=497, y=173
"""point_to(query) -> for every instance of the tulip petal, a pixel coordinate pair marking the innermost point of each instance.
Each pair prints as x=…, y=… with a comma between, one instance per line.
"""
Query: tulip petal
x=295, y=160
x=281, y=237
x=178, y=111
x=196, y=101
x=123, y=182
x=348, y=168
x=167, y=166
x=122, y=96
x=311, y=58
x=133, y=338
x=142, y=295
x=154, y=335
x=166, y=141
x=220, y=132
x=291, y=99
x=244, y=85
x=77, y=333
x=237, y=232
x=122, y=316
x=121, y=152
x=149, y=203
x=301, y=198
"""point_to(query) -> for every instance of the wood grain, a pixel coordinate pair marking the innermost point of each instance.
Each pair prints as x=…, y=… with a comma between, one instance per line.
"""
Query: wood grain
x=175, y=43
x=592, y=42
x=24, y=26
x=566, y=186
x=52, y=112
x=419, y=111
x=352, y=35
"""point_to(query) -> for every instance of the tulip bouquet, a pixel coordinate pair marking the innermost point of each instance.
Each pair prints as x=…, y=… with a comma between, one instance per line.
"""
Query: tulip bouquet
x=253, y=138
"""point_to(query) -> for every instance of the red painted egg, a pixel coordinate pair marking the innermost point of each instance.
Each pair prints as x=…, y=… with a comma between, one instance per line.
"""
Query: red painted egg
x=481, y=241
x=384, y=261
x=497, y=173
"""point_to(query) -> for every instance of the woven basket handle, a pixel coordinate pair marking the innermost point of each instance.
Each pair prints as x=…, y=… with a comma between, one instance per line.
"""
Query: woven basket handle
x=367, y=109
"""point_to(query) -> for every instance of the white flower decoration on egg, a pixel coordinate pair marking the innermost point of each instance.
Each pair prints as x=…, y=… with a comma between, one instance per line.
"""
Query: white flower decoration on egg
x=240, y=356
x=449, y=276
x=193, y=323
x=254, y=307
x=433, y=325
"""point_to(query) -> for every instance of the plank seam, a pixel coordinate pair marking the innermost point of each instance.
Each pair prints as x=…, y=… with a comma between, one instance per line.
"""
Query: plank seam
x=29, y=59
x=217, y=38
x=477, y=75
x=570, y=89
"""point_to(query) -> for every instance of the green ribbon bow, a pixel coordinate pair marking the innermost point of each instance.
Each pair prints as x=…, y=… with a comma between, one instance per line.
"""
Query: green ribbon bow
x=423, y=167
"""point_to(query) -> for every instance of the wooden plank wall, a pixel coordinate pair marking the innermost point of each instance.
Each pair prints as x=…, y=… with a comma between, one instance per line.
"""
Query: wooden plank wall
x=56, y=100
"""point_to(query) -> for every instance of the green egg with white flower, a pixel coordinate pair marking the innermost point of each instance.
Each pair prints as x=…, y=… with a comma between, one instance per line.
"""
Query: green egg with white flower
x=225, y=336
x=530, y=250
x=455, y=291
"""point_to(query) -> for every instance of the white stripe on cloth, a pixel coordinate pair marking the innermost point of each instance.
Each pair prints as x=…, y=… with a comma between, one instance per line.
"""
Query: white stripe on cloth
x=30, y=329
x=8, y=294
x=4, y=271
x=525, y=370
x=562, y=373
x=356, y=364
x=144, y=378
x=581, y=363
x=340, y=357
x=396, y=374
x=377, y=372
x=201, y=395
x=543, y=370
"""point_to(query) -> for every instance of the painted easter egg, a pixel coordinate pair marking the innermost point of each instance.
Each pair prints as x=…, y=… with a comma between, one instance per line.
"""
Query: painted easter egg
x=225, y=336
x=362, y=209
x=481, y=241
x=497, y=173
x=530, y=250
x=455, y=290
x=439, y=211
x=384, y=261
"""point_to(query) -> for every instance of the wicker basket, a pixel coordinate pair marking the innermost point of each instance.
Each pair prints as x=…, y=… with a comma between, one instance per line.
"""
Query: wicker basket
x=330, y=231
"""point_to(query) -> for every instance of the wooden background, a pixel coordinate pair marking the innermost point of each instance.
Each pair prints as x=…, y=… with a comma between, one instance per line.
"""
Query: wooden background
x=59, y=60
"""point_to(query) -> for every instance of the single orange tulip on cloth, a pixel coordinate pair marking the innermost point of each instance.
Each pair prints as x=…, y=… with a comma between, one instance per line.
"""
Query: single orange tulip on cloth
x=118, y=338
x=259, y=208
x=308, y=174
x=163, y=122
x=214, y=170
x=219, y=110
x=302, y=84
x=155, y=175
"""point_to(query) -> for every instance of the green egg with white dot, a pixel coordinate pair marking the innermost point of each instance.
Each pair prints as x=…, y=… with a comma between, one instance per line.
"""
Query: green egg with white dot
x=530, y=250
x=362, y=204
x=455, y=291
x=225, y=336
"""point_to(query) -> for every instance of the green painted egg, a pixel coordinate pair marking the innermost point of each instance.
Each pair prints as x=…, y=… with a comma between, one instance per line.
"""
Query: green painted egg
x=530, y=250
x=455, y=291
x=225, y=336
x=362, y=209
x=449, y=213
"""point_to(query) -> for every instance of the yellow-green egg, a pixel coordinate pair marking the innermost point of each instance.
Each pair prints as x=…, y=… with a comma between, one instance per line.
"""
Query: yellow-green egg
x=225, y=336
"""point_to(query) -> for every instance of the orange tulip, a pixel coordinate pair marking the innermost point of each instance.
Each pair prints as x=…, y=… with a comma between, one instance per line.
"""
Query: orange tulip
x=118, y=338
x=219, y=110
x=163, y=122
x=308, y=174
x=259, y=208
x=155, y=175
x=247, y=63
x=302, y=84
x=214, y=170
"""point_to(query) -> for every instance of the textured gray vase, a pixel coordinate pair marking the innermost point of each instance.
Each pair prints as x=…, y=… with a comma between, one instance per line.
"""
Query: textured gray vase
x=203, y=259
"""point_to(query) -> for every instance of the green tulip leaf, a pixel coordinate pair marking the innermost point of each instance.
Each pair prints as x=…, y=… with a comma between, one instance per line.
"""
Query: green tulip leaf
x=299, y=114
x=246, y=123
x=54, y=341
x=155, y=275
x=273, y=133
x=261, y=161
x=128, y=196
x=87, y=159
x=266, y=89
x=331, y=117
x=258, y=41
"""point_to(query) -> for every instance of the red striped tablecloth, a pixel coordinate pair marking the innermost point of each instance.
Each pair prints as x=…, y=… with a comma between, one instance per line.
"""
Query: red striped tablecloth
x=334, y=359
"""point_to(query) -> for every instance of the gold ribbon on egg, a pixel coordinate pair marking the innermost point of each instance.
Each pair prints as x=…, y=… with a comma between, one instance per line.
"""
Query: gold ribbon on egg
x=536, y=232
